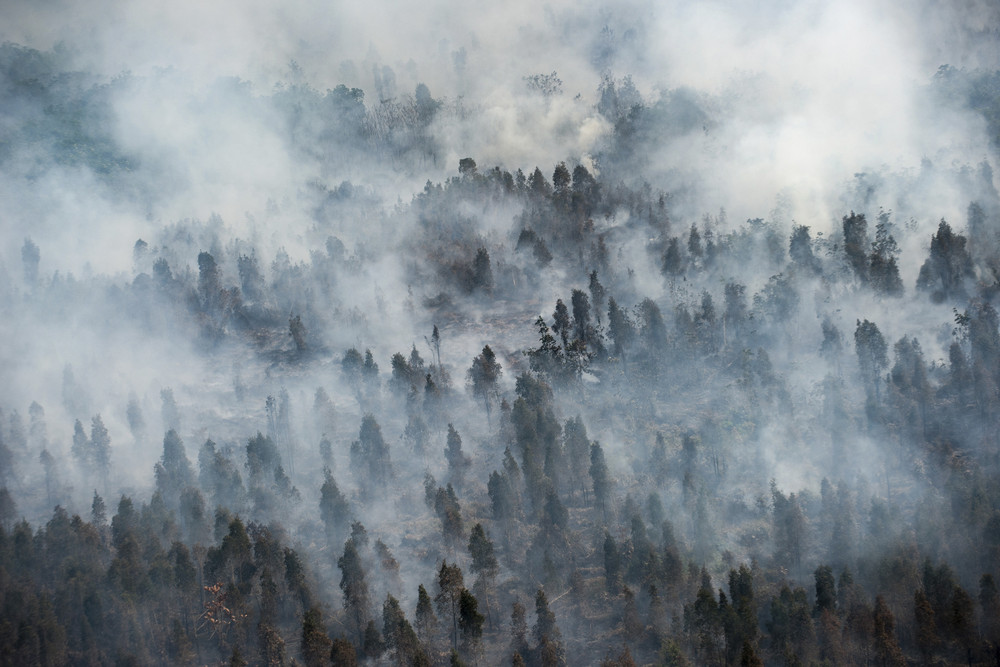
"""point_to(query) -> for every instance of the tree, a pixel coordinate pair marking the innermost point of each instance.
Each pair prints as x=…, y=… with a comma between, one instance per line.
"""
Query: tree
x=586, y=191
x=504, y=500
x=561, y=322
x=416, y=433
x=789, y=528
x=659, y=464
x=748, y=656
x=457, y=460
x=470, y=621
x=220, y=477
x=790, y=626
x=673, y=260
x=612, y=564
x=546, y=85
x=316, y=645
x=466, y=165
x=581, y=315
x=518, y=627
x=370, y=369
x=576, y=448
x=882, y=268
x=826, y=592
x=251, y=279
x=856, y=244
x=482, y=272
x=555, y=516
x=136, y=422
x=298, y=333
x=961, y=623
x=427, y=106
x=545, y=621
x=262, y=457
x=948, y=266
x=98, y=511
x=370, y=452
x=402, y=377
x=193, y=515
x=173, y=471
x=597, y=294
x=989, y=602
x=778, y=300
x=343, y=654
x=548, y=358
x=703, y=621
x=833, y=340
x=484, y=376
x=232, y=560
x=81, y=445
x=435, y=344
x=100, y=447
x=209, y=282
x=334, y=510
x=671, y=655
x=236, y=658
x=449, y=511
x=623, y=659
x=653, y=329
x=450, y=587
x=354, y=587
x=397, y=632
x=561, y=177
x=30, y=257
x=416, y=363
x=736, y=314
x=599, y=476
x=910, y=389
x=872, y=350
x=353, y=364
x=742, y=629
x=800, y=250
x=538, y=185
x=8, y=509
x=620, y=328
x=425, y=618
x=926, y=634
x=694, y=241
x=886, y=647
x=484, y=562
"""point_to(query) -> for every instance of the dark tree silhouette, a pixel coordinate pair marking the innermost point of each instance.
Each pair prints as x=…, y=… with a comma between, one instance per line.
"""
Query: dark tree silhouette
x=484, y=376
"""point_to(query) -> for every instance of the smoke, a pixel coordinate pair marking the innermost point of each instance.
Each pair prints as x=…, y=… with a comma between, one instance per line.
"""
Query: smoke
x=794, y=97
x=304, y=147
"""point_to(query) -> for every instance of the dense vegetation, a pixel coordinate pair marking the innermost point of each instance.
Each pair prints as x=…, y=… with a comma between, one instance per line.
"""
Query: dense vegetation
x=719, y=443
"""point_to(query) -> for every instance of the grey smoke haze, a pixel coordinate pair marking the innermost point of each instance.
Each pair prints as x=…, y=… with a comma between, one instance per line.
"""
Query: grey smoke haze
x=794, y=99
x=220, y=128
x=796, y=96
